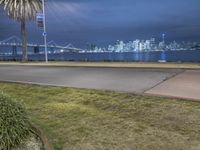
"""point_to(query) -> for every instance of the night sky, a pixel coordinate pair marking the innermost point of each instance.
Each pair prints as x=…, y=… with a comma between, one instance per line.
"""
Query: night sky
x=102, y=22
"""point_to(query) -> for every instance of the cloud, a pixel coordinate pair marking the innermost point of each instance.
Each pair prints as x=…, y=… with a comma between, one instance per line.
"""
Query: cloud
x=104, y=21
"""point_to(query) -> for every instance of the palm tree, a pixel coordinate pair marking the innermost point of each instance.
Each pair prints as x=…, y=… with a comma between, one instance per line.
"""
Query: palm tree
x=22, y=10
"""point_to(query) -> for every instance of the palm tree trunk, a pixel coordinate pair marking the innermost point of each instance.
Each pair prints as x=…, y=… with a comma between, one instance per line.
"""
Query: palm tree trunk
x=24, y=46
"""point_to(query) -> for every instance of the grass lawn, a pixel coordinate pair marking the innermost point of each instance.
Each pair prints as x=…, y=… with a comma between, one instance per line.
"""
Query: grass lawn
x=78, y=119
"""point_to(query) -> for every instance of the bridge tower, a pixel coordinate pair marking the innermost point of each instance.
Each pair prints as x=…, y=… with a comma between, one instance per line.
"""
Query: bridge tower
x=52, y=44
x=14, y=42
x=14, y=50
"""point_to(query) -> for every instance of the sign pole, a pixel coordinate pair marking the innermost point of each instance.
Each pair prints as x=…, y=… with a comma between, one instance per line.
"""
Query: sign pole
x=45, y=33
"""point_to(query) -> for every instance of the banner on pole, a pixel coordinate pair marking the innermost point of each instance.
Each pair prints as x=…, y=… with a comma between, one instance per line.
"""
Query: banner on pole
x=40, y=21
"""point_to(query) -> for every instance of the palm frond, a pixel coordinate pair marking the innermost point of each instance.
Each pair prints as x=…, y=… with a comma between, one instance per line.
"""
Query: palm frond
x=22, y=9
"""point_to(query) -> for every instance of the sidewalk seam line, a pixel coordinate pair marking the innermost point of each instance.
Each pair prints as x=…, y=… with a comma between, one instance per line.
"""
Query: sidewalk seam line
x=168, y=78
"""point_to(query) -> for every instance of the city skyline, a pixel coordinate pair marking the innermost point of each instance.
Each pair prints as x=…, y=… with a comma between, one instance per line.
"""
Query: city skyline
x=152, y=44
x=103, y=22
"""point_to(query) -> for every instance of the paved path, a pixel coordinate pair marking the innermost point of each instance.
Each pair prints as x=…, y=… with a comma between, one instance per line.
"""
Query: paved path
x=184, y=85
x=115, y=79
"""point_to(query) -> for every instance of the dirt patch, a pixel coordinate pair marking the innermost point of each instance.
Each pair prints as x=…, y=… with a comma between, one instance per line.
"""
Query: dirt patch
x=32, y=143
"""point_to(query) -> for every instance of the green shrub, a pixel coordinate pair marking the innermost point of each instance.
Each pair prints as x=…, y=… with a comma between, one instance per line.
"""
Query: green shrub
x=14, y=123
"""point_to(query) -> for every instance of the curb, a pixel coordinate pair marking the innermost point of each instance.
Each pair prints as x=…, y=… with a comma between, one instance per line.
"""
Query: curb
x=197, y=67
x=38, y=131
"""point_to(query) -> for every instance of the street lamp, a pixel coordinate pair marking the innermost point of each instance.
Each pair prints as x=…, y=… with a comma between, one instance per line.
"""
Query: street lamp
x=45, y=33
x=163, y=53
x=163, y=37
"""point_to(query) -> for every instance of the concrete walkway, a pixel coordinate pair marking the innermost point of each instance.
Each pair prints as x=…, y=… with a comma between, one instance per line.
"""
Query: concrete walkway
x=184, y=85
x=164, y=82
x=113, y=79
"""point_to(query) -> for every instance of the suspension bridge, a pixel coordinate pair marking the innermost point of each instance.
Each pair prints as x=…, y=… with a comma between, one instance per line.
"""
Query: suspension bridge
x=13, y=45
